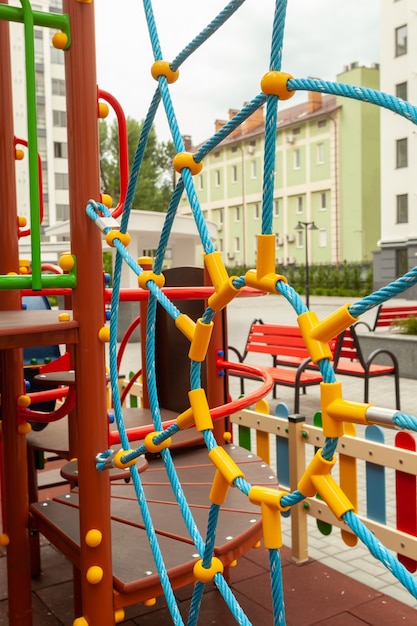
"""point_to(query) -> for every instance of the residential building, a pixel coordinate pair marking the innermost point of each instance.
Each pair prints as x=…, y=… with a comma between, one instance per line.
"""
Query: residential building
x=50, y=113
x=327, y=172
x=398, y=146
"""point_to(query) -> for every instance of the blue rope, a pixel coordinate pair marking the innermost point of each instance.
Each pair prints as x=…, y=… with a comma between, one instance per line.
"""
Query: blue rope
x=385, y=293
x=277, y=587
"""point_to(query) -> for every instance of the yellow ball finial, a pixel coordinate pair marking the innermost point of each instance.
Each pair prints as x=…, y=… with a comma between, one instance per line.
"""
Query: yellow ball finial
x=19, y=155
x=94, y=574
x=60, y=41
x=66, y=262
x=102, y=110
x=104, y=334
x=107, y=200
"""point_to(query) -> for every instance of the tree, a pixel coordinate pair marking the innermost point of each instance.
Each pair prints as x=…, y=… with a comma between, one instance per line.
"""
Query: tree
x=155, y=181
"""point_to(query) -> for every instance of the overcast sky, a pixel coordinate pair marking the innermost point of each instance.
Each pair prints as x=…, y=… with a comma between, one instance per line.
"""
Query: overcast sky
x=321, y=37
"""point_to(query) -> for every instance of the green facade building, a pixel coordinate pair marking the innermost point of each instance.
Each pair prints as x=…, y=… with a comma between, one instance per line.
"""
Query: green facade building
x=327, y=172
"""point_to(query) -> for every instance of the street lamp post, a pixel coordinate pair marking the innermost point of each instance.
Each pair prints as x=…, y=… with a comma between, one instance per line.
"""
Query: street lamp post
x=306, y=226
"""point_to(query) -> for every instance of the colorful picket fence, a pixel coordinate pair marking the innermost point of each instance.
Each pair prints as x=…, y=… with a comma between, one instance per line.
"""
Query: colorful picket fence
x=375, y=469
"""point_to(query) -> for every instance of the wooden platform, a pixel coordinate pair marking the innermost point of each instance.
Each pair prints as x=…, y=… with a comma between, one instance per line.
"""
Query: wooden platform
x=135, y=577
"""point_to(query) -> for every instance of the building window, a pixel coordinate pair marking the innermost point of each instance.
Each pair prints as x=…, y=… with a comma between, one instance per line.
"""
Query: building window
x=322, y=124
x=237, y=244
x=401, y=40
x=253, y=169
x=234, y=174
x=401, y=90
x=401, y=261
x=200, y=182
x=60, y=150
x=402, y=209
x=58, y=87
x=401, y=153
x=320, y=153
x=322, y=238
x=57, y=56
x=62, y=212
x=296, y=159
x=296, y=131
x=276, y=208
x=59, y=118
x=299, y=204
x=220, y=245
x=323, y=201
x=220, y=217
x=256, y=211
x=217, y=178
x=61, y=180
x=216, y=154
x=299, y=236
x=237, y=214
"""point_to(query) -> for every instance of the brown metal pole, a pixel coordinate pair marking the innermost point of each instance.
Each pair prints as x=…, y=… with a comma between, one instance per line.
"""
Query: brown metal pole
x=11, y=367
x=88, y=303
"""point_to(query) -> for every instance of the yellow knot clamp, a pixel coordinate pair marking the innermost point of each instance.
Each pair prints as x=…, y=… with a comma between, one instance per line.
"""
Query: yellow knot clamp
x=206, y=574
x=270, y=502
x=225, y=291
x=333, y=324
x=317, y=479
x=156, y=447
x=185, y=419
x=318, y=349
x=124, y=238
x=186, y=159
x=275, y=83
x=117, y=459
x=200, y=409
x=147, y=275
x=335, y=411
x=264, y=277
x=198, y=333
x=225, y=476
x=163, y=68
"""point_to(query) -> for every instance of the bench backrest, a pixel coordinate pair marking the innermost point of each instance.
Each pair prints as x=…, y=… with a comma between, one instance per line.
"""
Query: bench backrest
x=388, y=314
x=276, y=340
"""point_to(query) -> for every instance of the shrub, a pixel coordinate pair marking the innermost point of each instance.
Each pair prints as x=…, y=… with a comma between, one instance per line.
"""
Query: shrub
x=407, y=326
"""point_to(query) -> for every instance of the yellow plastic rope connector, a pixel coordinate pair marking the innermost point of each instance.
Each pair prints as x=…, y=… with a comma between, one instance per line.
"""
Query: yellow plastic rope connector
x=317, y=479
x=333, y=324
x=275, y=83
x=200, y=341
x=264, y=277
x=155, y=447
x=226, y=474
x=270, y=502
x=225, y=291
x=206, y=575
x=186, y=325
x=124, y=238
x=163, y=68
x=185, y=419
x=144, y=277
x=335, y=411
x=201, y=410
x=318, y=349
x=117, y=459
x=186, y=159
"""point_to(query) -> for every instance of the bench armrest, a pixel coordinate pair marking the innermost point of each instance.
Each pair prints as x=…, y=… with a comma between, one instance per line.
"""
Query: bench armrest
x=240, y=356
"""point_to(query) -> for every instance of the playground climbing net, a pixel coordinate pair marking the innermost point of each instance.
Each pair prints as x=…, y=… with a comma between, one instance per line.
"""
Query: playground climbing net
x=275, y=86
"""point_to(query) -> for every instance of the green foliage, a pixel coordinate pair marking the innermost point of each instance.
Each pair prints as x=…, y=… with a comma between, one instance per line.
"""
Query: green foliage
x=155, y=180
x=406, y=326
x=325, y=279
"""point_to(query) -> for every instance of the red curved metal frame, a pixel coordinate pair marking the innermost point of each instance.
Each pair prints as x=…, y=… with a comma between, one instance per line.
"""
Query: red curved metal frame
x=217, y=412
x=123, y=148
x=50, y=394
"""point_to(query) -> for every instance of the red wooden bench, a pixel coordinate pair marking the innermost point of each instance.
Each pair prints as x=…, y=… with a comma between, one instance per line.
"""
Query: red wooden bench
x=290, y=357
x=286, y=346
x=387, y=315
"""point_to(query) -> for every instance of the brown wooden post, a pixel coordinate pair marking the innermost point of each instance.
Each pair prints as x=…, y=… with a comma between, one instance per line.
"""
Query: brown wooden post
x=11, y=366
x=299, y=532
x=88, y=303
